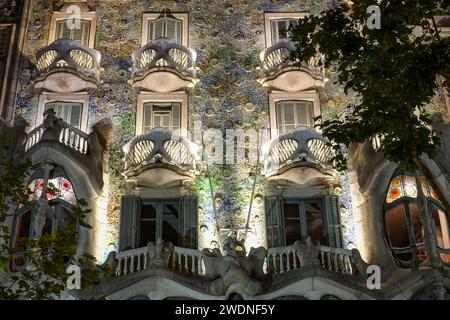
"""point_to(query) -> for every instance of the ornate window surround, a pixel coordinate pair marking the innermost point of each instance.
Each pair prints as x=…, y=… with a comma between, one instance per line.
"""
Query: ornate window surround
x=161, y=97
x=184, y=17
x=82, y=97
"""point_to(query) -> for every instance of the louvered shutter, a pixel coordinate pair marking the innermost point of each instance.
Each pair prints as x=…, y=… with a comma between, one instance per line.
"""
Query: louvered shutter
x=333, y=223
x=147, y=119
x=274, y=222
x=189, y=222
x=129, y=219
x=176, y=117
x=75, y=115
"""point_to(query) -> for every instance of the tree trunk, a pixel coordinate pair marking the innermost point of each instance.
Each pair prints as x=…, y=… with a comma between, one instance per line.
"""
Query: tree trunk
x=432, y=259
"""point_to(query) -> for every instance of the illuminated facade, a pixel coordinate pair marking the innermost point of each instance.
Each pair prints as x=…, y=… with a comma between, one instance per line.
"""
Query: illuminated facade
x=153, y=112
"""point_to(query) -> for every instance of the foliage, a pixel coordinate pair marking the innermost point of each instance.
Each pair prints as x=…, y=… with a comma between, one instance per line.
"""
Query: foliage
x=393, y=70
x=47, y=258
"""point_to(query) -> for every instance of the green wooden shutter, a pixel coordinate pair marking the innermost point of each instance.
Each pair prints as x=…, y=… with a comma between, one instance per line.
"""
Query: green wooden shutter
x=190, y=222
x=274, y=222
x=176, y=119
x=75, y=115
x=129, y=220
x=332, y=220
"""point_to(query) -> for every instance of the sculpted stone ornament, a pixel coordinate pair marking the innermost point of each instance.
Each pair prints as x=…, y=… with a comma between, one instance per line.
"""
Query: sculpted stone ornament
x=52, y=126
x=358, y=262
x=308, y=252
x=235, y=267
x=159, y=253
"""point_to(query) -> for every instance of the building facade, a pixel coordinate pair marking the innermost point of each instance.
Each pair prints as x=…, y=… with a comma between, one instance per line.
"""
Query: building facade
x=192, y=136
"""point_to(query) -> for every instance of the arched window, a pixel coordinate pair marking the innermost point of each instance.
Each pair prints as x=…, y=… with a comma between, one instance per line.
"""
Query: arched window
x=404, y=228
x=59, y=212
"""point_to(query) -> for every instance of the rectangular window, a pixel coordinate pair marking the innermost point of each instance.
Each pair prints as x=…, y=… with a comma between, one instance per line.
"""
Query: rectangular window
x=161, y=114
x=159, y=220
x=68, y=29
x=302, y=219
x=165, y=28
x=293, y=114
x=70, y=112
x=280, y=29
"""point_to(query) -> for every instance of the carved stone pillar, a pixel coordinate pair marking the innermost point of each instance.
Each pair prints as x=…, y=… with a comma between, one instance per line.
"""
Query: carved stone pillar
x=40, y=215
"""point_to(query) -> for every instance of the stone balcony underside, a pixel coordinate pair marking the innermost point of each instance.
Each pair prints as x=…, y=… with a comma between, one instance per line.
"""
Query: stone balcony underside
x=160, y=158
x=163, y=66
x=280, y=72
x=305, y=270
x=67, y=66
x=301, y=157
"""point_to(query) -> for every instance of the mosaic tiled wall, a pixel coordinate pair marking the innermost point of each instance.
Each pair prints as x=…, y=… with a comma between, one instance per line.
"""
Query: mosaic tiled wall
x=228, y=37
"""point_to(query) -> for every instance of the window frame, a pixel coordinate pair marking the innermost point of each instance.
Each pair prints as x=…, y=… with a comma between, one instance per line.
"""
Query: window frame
x=144, y=98
x=274, y=98
x=406, y=201
x=182, y=16
x=82, y=98
x=282, y=122
x=84, y=15
x=270, y=16
x=4, y=83
x=302, y=217
x=159, y=217
x=153, y=113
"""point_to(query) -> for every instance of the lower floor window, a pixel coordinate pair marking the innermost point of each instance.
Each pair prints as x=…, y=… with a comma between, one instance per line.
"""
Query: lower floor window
x=289, y=220
x=145, y=220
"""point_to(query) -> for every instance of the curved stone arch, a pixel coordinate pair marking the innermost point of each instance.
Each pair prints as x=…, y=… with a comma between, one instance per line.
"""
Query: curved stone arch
x=313, y=288
x=160, y=288
x=83, y=179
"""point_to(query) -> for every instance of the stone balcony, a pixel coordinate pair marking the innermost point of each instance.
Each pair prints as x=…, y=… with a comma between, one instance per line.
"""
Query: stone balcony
x=163, y=66
x=280, y=72
x=160, y=158
x=301, y=157
x=67, y=66
x=79, y=152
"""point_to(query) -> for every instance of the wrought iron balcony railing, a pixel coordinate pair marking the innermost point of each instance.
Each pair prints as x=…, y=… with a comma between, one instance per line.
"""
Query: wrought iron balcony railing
x=160, y=146
x=68, y=56
x=299, y=145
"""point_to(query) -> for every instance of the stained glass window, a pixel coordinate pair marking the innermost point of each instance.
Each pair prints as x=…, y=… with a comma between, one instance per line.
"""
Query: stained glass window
x=64, y=187
x=406, y=186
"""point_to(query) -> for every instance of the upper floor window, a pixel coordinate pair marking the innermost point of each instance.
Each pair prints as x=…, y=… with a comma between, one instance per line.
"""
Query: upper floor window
x=280, y=29
x=162, y=114
x=294, y=114
x=70, y=30
x=63, y=24
x=278, y=24
x=70, y=112
x=71, y=107
x=404, y=228
x=165, y=25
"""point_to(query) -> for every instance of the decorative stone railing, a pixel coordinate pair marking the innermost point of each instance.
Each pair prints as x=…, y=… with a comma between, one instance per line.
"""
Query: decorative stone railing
x=187, y=260
x=278, y=57
x=67, y=54
x=336, y=259
x=160, y=145
x=180, y=259
x=284, y=259
x=299, y=145
x=130, y=261
x=164, y=52
x=54, y=129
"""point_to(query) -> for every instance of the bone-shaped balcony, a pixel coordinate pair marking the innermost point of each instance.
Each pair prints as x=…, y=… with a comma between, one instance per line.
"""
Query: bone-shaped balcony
x=301, y=156
x=160, y=158
x=67, y=66
x=280, y=72
x=163, y=66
